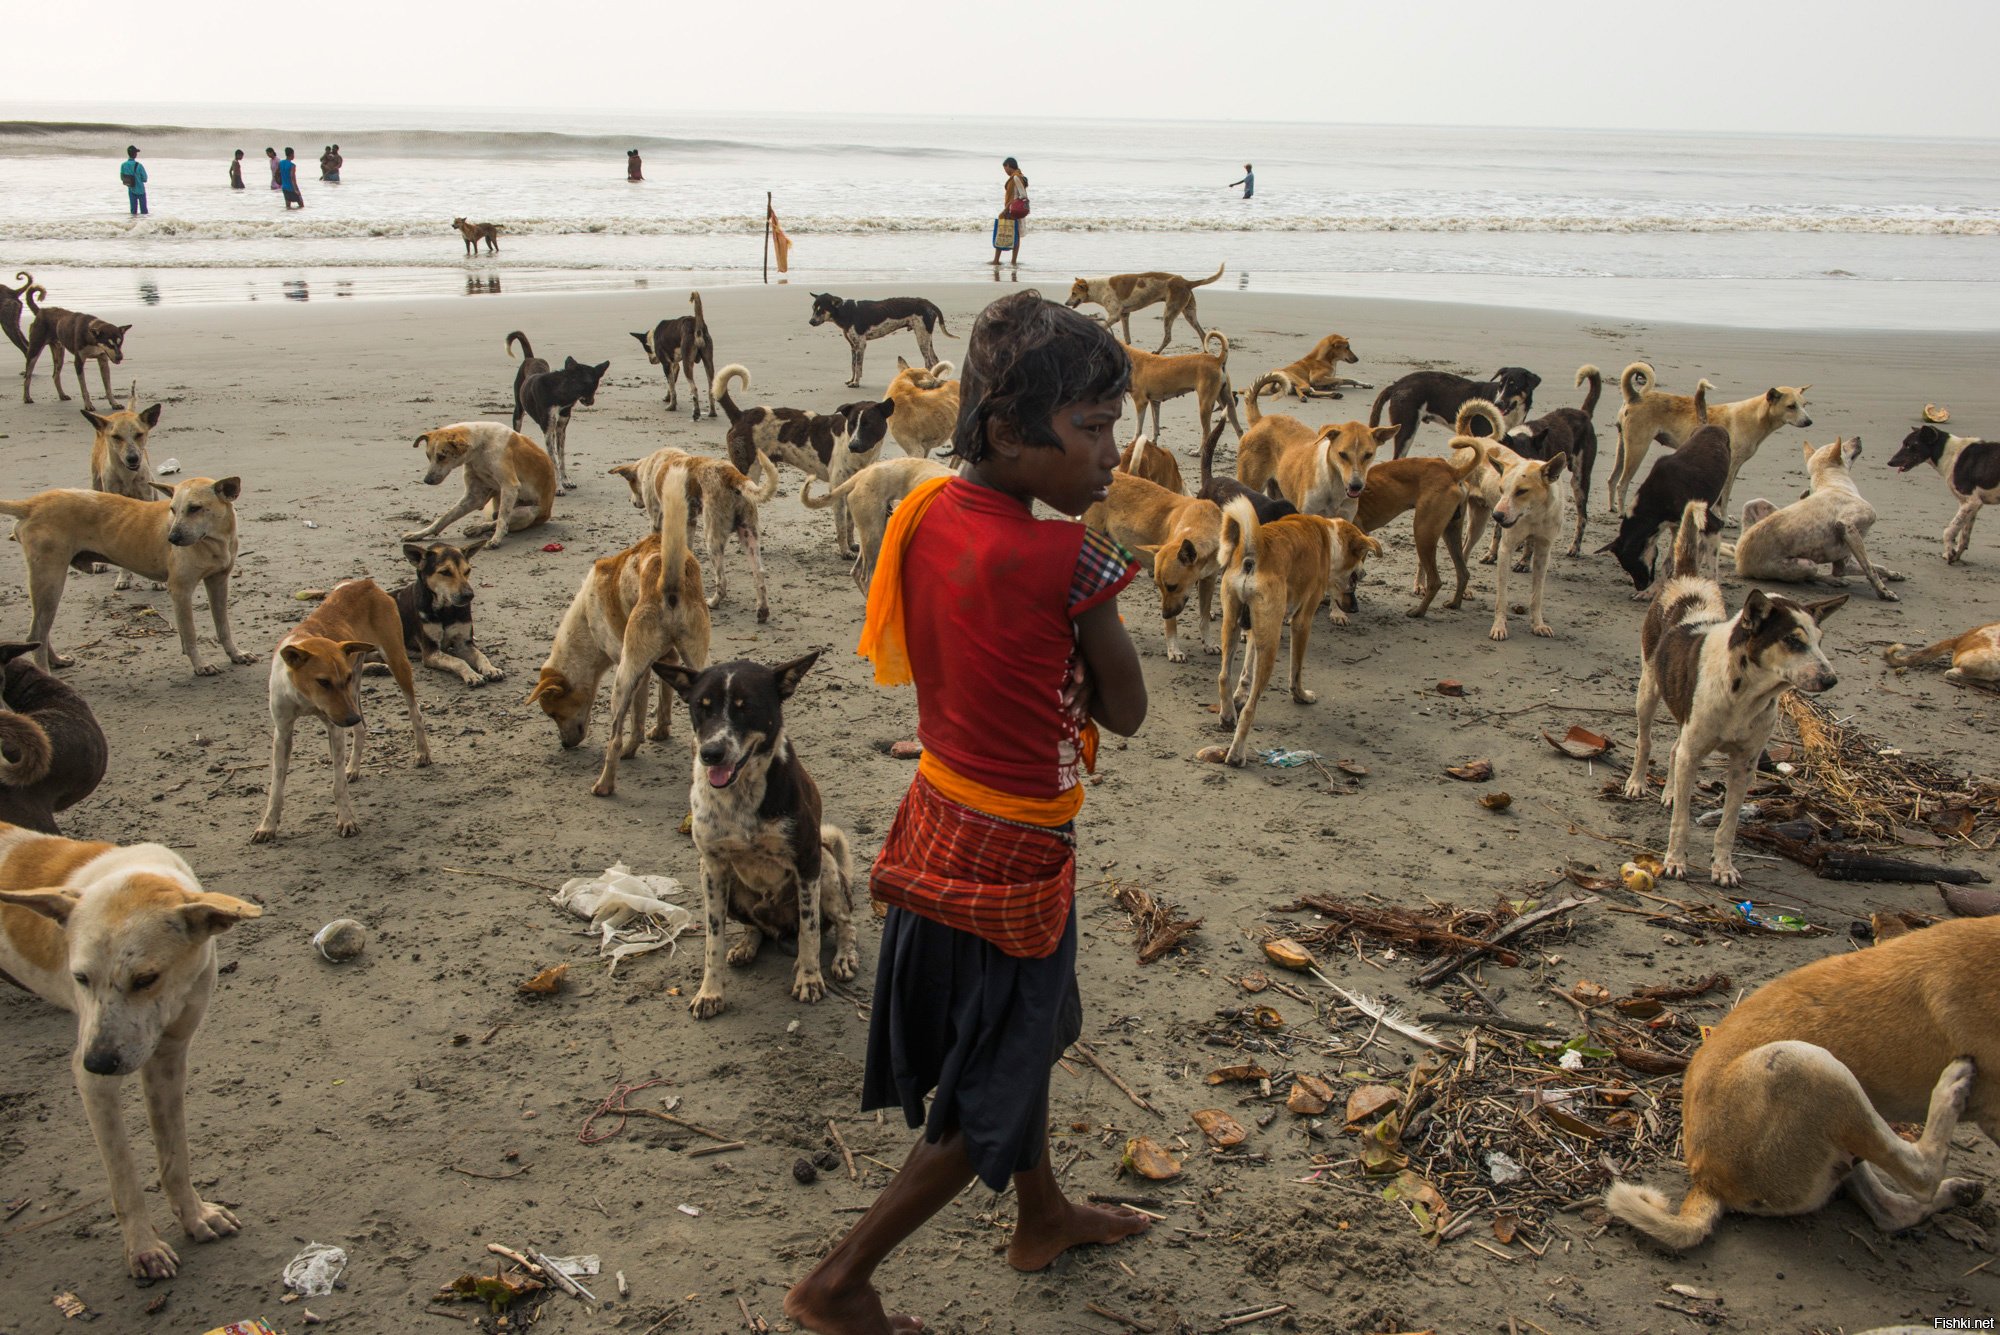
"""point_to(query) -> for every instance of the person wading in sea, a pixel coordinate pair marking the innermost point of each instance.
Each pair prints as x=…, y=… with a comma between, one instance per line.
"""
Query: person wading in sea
x=272, y=155
x=236, y=171
x=1249, y=182
x=288, y=181
x=134, y=176
x=633, y=170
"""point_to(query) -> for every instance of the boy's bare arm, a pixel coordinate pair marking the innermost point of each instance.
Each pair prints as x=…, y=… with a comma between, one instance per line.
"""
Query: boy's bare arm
x=1117, y=686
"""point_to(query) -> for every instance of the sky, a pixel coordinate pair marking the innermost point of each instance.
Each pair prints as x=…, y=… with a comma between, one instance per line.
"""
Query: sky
x=1765, y=66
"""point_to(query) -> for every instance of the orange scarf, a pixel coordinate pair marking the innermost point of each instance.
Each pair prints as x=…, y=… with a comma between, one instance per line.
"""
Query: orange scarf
x=882, y=642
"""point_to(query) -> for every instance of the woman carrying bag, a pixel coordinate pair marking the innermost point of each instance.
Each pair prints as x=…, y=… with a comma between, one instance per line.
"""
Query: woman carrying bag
x=1007, y=228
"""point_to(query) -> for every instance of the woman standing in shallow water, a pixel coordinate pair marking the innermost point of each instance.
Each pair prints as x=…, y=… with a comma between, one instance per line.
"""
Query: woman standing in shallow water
x=1007, y=228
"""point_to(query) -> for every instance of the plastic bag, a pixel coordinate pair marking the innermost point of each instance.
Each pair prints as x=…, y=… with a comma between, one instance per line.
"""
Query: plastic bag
x=630, y=913
x=313, y=1271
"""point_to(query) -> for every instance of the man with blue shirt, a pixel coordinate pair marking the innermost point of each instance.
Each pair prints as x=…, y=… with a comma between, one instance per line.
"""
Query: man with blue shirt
x=288, y=181
x=1249, y=182
x=133, y=174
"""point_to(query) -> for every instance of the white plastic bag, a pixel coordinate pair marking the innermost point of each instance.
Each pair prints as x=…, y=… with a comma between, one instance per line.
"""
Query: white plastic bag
x=631, y=914
x=313, y=1271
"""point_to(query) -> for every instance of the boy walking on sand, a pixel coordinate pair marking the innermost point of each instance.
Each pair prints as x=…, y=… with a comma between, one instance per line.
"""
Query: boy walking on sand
x=1008, y=625
x=133, y=173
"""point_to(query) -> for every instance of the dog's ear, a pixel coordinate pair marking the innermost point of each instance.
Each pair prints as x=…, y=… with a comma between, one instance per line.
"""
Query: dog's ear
x=124, y=329
x=94, y=419
x=356, y=648
x=207, y=913
x=421, y=441
x=51, y=903
x=413, y=553
x=151, y=417
x=1384, y=432
x=468, y=548
x=1610, y=546
x=163, y=489
x=1756, y=608
x=902, y=365
x=229, y=488
x=677, y=675
x=571, y=363
x=1554, y=467
x=550, y=683
x=601, y=368
x=294, y=656
x=1187, y=555
x=1772, y=395
x=630, y=472
x=10, y=652
x=791, y=674
x=1826, y=607
x=1853, y=450
x=888, y=407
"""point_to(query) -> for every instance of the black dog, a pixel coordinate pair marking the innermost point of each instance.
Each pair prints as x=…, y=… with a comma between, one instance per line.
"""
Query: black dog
x=10, y=308
x=71, y=334
x=1438, y=395
x=52, y=753
x=1567, y=431
x=1696, y=471
x=436, y=612
x=766, y=860
x=675, y=346
x=1969, y=467
x=861, y=321
x=1223, y=490
x=548, y=396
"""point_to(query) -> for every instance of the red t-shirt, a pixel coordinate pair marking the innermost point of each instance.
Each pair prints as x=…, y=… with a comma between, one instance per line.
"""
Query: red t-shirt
x=990, y=594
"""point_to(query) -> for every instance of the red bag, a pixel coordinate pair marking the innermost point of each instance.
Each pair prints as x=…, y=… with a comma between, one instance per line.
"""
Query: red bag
x=1019, y=208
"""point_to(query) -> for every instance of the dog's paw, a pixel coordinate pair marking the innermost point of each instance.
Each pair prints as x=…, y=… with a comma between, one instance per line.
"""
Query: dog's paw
x=744, y=952
x=208, y=669
x=1489, y=559
x=808, y=987
x=207, y=1222
x=422, y=760
x=714, y=600
x=260, y=835
x=346, y=827
x=1546, y=631
x=1674, y=868
x=763, y=614
x=1955, y=1085
x=1725, y=874
x=238, y=657
x=1212, y=649
x=473, y=680
x=1177, y=655
x=154, y=1261
x=846, y=963
x=1889, y=596
x=1499, y=631
x=1304, y=696
x=1961, y=1191
x=706, y=1005
x=606, y=787
x=1635, y=787
x=493, y=674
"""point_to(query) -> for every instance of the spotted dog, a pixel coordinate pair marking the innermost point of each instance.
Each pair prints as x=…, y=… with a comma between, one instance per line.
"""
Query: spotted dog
x=766, y=860
x=1970, y=469
x=862, y=321
x=828, y=446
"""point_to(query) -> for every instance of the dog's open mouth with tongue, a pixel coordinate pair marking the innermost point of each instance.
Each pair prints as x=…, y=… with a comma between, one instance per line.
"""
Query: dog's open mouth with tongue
x=721, y=776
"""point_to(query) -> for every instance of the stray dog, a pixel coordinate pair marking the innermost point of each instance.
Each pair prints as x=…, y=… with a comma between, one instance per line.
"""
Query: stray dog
x=1142, y=458
x=186, y=540
x=1829, y=525
x=1975, y=656
x=828, y=446
x=1317, y=374
x=926, y=412
x=1181, y=535
x=719, y=493
x=125, y=937
x=1223, y=490
x=766, y=860
x=118, y=459
x=675, y=346
x=634, y=609
x=1528, y=512
x=1274, y=575
x=1697, y=471
x=549, y=397
x=435, y=610
x=1792, y=1095
x=861, y=321
x=316, y=673
x=1721, y=677
x=1437, y=396
x=474, y=233
x=1155, y=379
x=1122, y=294
x=10, y=308
x=1322, y=472
x=870, y=495
x=52, y=753
x=506, y=474
x=1971, y=472
x=1651, y=415
x=1571, y=432
x=1434, y=491
x=71, y=334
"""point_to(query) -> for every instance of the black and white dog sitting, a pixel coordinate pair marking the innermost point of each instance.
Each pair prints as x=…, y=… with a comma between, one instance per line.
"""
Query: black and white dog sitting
x=1697, y=471
x=52, y=753
x=829, y=446
x=675, y=346
x=1436, y=396
x=1969, y=467
x=548, y=396
x=436, y=612
x=766, y=860
x=861, y=321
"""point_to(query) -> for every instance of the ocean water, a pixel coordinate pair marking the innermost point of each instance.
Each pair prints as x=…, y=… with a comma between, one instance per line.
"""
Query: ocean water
x=1736, y=229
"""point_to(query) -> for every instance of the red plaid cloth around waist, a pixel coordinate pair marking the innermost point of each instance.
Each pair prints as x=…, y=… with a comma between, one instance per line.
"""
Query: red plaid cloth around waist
x=1005, y=883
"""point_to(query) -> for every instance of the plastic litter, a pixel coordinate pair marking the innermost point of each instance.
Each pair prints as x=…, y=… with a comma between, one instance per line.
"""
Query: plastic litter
x=1777, y=922
x=552, y=546
x=312, y=523
x=576, y=1265
x=312, y=1272
x=1285, y=759
x=1503, y=1169
x=631, y=914
x=253, y=1326
x=169, y=468
x=1710, y=817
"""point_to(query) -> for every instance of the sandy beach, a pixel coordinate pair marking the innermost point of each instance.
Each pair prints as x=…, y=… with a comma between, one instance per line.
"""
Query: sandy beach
x=411, y=1107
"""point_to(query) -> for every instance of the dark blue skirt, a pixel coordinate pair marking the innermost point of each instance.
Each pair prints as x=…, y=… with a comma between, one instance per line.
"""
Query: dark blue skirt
x=975, y=1029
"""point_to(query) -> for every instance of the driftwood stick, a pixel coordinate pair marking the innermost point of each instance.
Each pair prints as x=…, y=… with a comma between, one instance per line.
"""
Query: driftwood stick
x=1444, y=969
x=1125, y=1321
x=846, y=1155
x=722, y=1148
x=1085, y=1051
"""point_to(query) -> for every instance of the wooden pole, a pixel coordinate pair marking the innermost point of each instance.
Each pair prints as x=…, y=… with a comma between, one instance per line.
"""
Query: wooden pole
x=767, y=236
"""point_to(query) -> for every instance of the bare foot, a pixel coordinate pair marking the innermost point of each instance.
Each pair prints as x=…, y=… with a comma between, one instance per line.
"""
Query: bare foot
x=826, y=1311
x=1081, y=1225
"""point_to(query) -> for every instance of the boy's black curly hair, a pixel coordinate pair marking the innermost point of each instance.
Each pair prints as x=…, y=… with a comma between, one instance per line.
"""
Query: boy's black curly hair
x=1026, y=358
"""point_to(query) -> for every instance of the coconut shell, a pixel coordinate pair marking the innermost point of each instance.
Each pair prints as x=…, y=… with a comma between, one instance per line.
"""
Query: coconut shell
x=1370, y=1101
x=1221, y=1129
x=1144, y=1157
x=1310, y=1096
x=1288, y=954
x=546, y=983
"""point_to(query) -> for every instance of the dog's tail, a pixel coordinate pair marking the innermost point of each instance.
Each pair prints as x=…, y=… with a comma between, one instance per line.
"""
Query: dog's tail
x=1204, y=282
x=1645, y=1209
x=1481, y=411
x=1251, y=412
x=1375, y=409
x=943, y=371
x=527, y=348
x=18, y=509
x=768, y=487
x=1590, y=375
x=1635, y=380
x=719, y=391
x=1701, y=401
x=838, y=493
x=1218, y=336
x=833, y=844
x=940, y=322
x=674, y=519
x=1899, y=655
x=25, y=750
x=1208, y=447
x=26, y=280
x=1476, y=452
x=1240, y=530
x=1699, y=534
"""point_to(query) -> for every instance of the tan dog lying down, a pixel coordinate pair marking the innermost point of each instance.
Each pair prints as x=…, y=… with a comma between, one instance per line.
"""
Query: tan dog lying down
x=1179, y=534
x=1975, y=656
x=1792, y=1094
x=1317, y=374
x=1829, y=525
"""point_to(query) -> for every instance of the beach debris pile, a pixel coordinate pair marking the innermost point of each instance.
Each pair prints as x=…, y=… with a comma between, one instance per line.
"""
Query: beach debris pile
x=1158, y=926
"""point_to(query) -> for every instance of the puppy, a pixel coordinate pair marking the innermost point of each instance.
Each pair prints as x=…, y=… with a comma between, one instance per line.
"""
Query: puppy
x=1829, y=525
x=1434, y=492
x=675, y=346
x=1180, y=535
x=1721, y=677
x=870, y=496
x=1142, y=458
x=435, y=611
x=118, y=459
x=316, y=673
x=1122, y=294
x=1971, y=472
x=52, y=753
x=550, y=396
x=766, y=860
x=186, y=540
x=10, y=308
x=926, y=412
x=1650, y=415
x=1791, y=1096
x=474, y=233
x=1527, y=514
x=125, y=937
x=723, y=497
x=1570, y=432
x=71, y=334
x=1436, y=396
x=1697, y=471
x=1317, y=374
x=634, y=609
x=1155, y=379
x=1223, y=490
x=506, y=475
x=830, y=447
x=1322, y=472
x=862, y=321
x=1274, y=575
x=1975, y=656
